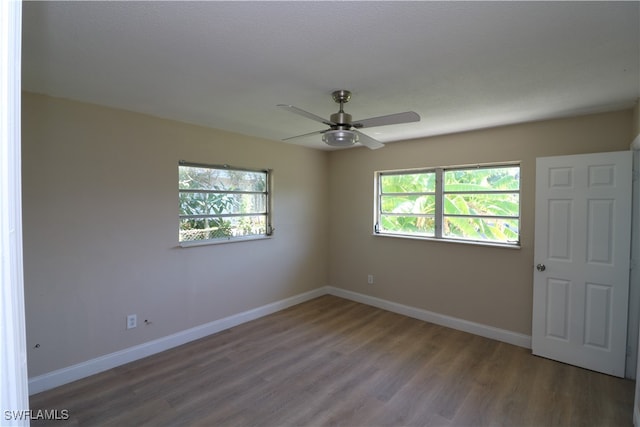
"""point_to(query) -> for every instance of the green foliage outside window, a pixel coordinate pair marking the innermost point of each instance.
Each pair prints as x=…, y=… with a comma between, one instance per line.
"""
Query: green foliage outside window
x=407, y=203
x=221, y=203
x=481, y=204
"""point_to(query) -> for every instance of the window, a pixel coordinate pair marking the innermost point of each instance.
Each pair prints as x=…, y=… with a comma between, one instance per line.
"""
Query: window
x=480, y=204
x=223, y=203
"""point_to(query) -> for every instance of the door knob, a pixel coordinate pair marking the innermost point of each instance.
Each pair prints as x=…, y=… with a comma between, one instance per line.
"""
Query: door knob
x=541, y=267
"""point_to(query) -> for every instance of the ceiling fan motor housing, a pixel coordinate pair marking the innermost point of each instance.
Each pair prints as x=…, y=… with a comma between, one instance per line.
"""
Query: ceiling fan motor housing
x=341, y=119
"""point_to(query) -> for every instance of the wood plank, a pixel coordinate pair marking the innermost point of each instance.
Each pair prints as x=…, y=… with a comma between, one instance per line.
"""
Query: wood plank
x=331, y=361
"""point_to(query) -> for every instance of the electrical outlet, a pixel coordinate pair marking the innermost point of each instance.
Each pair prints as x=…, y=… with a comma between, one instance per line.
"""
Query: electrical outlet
x=370, y=279
x=132, y=321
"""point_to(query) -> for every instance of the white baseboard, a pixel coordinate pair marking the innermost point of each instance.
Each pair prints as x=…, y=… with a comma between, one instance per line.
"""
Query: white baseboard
x=497, y=334
x=94, y=366
x=90, y=367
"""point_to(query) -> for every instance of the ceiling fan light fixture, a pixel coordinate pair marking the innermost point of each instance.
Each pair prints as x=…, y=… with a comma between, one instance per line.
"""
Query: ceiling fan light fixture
x=340, y=138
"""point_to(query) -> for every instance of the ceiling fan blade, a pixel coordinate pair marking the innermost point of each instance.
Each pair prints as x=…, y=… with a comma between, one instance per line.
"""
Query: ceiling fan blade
x=306, y=114
x=305, y=134
x=367, y=141
x=390, y=119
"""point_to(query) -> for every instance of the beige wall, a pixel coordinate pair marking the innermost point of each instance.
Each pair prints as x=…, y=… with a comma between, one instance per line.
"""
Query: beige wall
x=490, y=286
x=100, y=225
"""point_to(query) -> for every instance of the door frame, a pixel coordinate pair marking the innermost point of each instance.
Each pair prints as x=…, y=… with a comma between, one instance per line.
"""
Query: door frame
x=633, y=325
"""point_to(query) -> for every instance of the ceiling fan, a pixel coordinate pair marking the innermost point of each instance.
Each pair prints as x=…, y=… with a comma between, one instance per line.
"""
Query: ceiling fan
x=343, y=132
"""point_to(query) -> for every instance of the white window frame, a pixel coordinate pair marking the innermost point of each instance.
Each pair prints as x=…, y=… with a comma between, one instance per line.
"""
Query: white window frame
x=439, y=215
x=228, y=239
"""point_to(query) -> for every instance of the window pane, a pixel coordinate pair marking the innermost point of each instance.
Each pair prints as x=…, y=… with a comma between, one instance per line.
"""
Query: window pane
x=482, y=204
x=409, y=204
x=202, y=178
x=424, y=226
x=482, y=179
x=464, y=206
x=409, y=183
x=221, y=228
x=496, y=230
x=217, y=204
x=234, y=202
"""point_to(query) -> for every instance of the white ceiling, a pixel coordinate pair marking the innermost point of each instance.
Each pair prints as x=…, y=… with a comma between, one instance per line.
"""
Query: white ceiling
x=460, y=65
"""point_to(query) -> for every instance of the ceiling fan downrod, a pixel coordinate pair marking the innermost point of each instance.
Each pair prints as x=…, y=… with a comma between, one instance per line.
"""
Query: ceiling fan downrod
x=342, y=119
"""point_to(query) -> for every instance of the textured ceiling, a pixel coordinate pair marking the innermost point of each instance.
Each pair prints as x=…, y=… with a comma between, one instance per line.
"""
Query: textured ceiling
x=460, y=65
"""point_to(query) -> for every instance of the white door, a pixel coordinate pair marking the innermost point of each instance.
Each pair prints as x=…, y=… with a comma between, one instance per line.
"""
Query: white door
x=582, y=251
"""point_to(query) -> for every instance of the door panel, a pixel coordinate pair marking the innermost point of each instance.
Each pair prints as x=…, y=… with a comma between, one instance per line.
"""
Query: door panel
x=598, y=316
x=582, y=238
x=558, y=308
x=559, y=232
x=600, y=231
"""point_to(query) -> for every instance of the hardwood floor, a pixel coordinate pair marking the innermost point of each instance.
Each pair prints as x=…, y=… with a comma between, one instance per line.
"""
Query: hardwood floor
x=331, y=361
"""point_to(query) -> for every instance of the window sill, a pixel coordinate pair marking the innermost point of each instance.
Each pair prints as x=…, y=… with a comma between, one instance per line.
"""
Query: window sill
x=221, y=241
x=458, y=241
